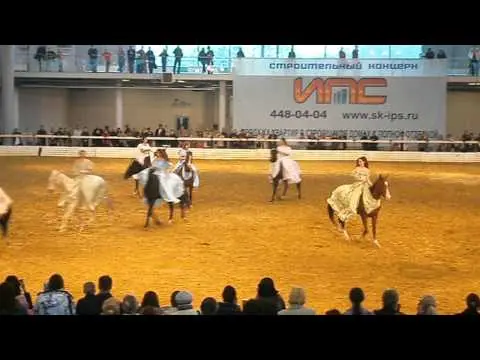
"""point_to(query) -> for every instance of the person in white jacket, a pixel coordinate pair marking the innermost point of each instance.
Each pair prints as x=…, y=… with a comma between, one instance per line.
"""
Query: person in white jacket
x=5, y=211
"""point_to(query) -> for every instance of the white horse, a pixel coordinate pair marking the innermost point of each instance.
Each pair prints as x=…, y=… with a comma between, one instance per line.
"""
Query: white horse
x=92, y=191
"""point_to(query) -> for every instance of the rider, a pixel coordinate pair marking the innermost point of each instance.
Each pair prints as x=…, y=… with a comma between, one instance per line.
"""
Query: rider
x=162, y=167
x=81, y=167
x=345, y=199
x=291, y=170
x=144, y=150
x=182, y=155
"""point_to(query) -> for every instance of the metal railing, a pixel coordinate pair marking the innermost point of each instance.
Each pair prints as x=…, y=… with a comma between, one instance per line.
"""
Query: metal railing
x=243, y=143
x=78, y=63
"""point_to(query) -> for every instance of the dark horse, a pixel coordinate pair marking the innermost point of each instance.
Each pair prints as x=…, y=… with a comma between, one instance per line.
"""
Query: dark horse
x=134, y=168
x=379, y=189
x=151, y=192
x=279, y=177
x=182, y=170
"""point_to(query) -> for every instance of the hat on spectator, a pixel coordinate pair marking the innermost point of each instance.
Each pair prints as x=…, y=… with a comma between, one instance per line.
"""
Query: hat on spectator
x=183, y=299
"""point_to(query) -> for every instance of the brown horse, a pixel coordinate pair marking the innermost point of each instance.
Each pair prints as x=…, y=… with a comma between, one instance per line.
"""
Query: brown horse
x=279, y=178
x=379, y=189
x=187, y=173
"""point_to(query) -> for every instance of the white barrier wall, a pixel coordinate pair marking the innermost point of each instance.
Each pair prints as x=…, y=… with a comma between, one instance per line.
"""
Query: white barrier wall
x=251, y=154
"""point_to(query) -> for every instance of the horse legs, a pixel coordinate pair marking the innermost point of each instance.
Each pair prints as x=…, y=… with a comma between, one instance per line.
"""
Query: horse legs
x=68, y=214
x=285, y=188
x=135, y=191
x=170, y=216
x=374, y=230
x=363, y=216
x=274, y=188
x=149, y=213
x=299, y=190
x=189, y=192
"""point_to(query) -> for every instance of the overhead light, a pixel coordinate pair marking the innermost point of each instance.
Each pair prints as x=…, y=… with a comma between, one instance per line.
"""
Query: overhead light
x=474, y=83
x=125, y=80
x=180, y=81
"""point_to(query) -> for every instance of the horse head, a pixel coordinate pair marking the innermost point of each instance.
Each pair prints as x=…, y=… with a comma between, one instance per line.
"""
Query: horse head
x=381, y=188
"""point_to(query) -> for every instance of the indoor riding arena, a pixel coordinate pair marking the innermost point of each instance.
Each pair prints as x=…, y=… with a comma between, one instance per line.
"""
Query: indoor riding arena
x=234, y=235
x=242, y=119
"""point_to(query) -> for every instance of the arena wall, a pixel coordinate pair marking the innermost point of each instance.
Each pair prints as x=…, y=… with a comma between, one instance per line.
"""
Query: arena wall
x=96, y=107
x=252, y=154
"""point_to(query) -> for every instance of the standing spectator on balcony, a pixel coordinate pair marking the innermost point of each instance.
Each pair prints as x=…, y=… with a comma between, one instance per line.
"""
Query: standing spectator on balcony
x=202, y=59
x=163, y=56
x=441, y=54
x=141, y=59
x=240, y=54
x=17, y=141
x=178, y=53
x=291, y=54
x=40, y=56
x=430, y=54
x=341, y=54
x=373, y=146
x=131, y=59
x=355, y=53
x=41, y=131
x=93, y=58
x=107, y=58
x=210, y=56
x=474, y=56
x=151, y=60
x=121, y=59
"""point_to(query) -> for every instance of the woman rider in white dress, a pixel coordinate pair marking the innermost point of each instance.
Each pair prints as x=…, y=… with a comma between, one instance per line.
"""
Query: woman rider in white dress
x=345, y=199
x=291, y=170
x=171, y=185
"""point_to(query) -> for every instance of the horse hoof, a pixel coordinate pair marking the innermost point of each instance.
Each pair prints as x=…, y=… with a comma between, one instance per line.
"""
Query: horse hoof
x=170, y=221
x=377, y=244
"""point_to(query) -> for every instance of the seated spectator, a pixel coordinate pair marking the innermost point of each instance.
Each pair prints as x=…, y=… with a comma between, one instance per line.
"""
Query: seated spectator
x=184, y=301
x=390, y=301
x=333, y=312
x=55, y=300
x=252, y=307
x=111, y=307
x=357, y=297
x=169, y=310
x=105, y=287
x=269, y=296
x=229, y=305
x=129, y=305
x=88, y=305
x=150, y=304
x=473, y=305
x=296, y=302
x=8, y=302
x=427, y=306
x=209, y=306
x=23, y=297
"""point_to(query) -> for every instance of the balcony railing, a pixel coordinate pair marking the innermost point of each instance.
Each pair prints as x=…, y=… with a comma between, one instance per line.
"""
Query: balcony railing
x=75, y=63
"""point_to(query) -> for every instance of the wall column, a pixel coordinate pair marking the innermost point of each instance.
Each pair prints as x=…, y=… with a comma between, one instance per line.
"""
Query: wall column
x=222, y=106
x=9, y=96
x=119, y=108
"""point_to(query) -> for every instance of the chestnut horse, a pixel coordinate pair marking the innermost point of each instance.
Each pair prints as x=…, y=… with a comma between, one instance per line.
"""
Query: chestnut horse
x=379, y=189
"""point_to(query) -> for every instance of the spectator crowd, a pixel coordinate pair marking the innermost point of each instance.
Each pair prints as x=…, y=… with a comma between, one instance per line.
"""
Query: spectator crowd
x=258, y=139
x=55, y=299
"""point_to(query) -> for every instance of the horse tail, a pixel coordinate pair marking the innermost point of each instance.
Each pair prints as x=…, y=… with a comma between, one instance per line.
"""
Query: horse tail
x=331, y=214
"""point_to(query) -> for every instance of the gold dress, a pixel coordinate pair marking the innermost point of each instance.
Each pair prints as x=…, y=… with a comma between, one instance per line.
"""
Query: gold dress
x=345, y=199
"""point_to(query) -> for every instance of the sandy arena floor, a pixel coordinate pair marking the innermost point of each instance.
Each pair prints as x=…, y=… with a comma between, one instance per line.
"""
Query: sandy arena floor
x=429, y=231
